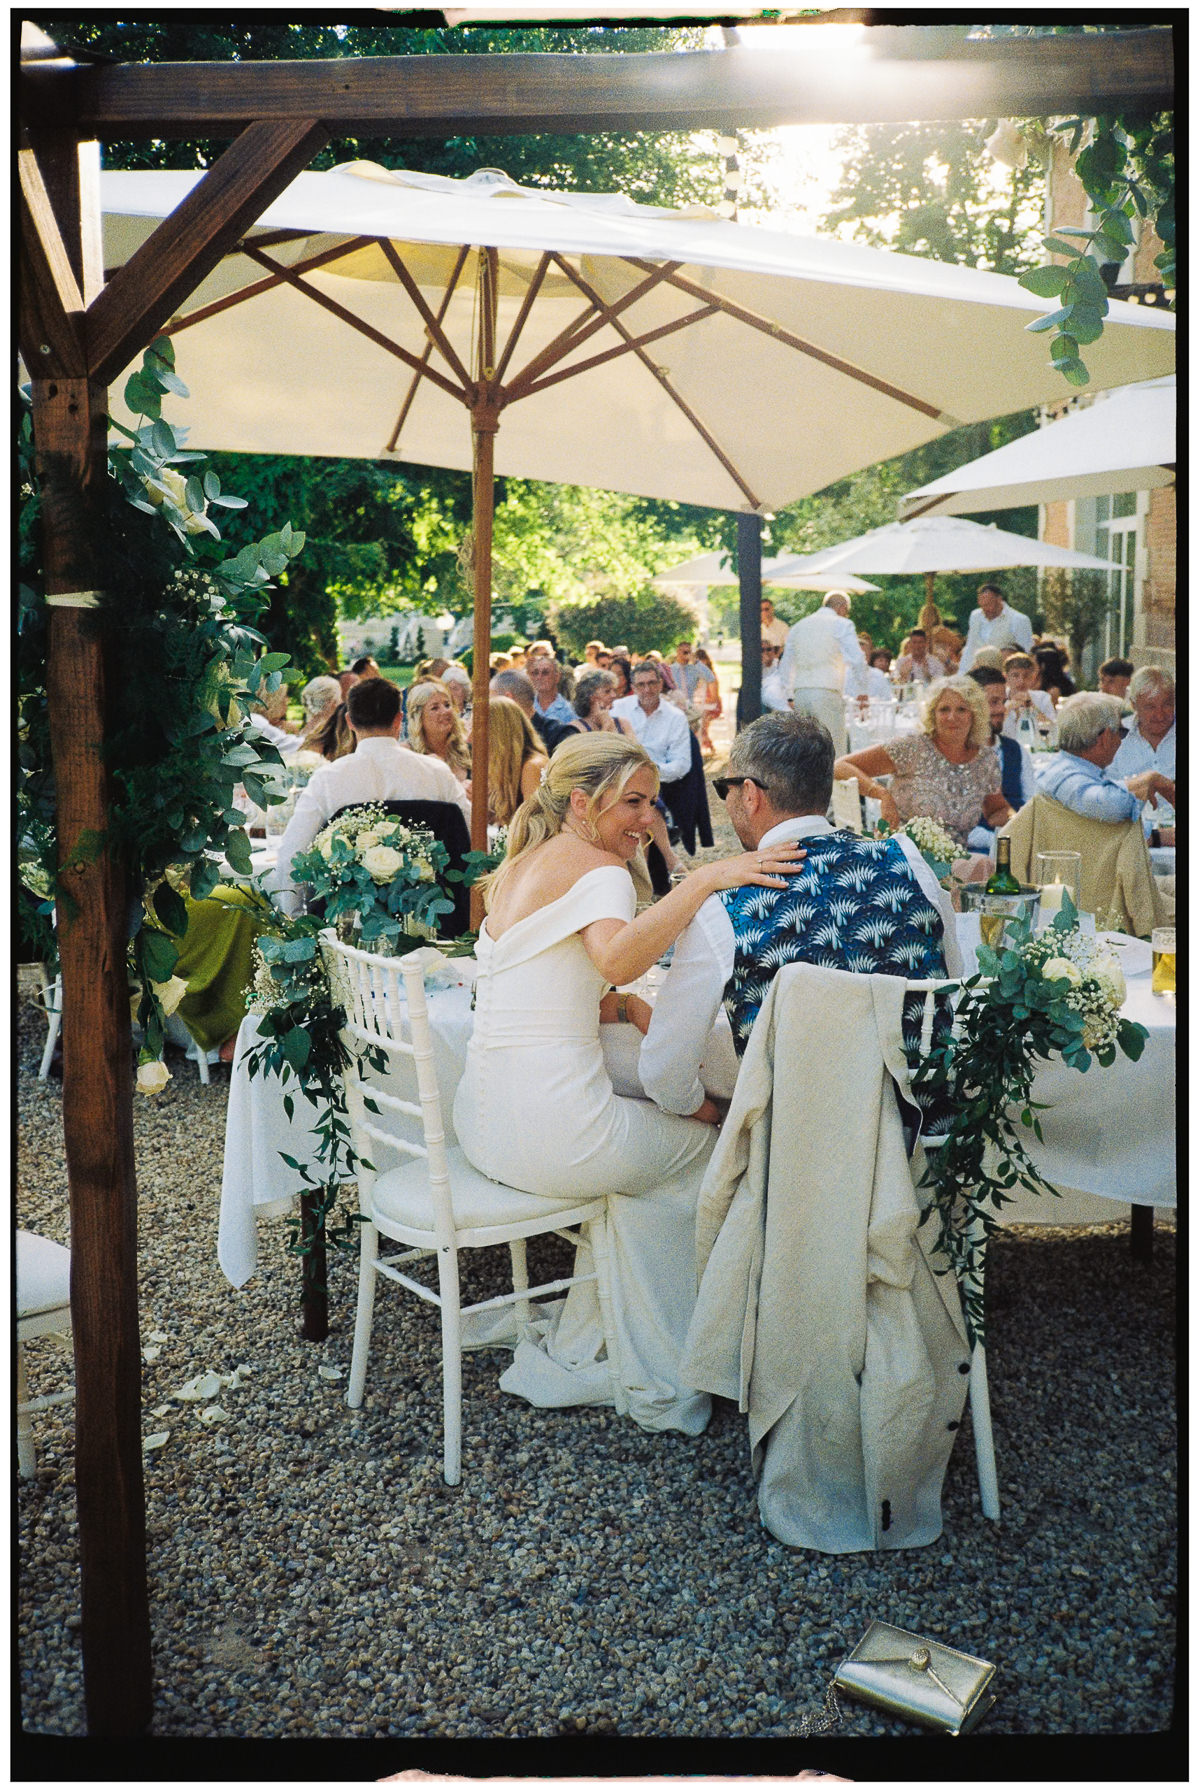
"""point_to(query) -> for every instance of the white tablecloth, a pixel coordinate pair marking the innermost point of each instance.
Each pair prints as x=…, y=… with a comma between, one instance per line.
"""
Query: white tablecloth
x=1109, y=1132
x=881, y=723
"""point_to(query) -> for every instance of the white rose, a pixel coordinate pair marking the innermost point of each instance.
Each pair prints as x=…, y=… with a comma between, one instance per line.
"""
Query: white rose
x=426, y=872
x=152, y=1078
x=1111, y=977
x=325, y=847
x=170, y=993
x=1061, y=969
x=176, y=486
x=382, y=863
x=367, y=839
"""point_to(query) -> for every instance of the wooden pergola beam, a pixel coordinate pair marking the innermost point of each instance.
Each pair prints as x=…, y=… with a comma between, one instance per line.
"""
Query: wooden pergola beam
x=900, y=74
x=141, y=296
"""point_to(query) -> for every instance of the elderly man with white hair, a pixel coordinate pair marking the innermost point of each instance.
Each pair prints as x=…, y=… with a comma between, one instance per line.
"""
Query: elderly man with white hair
x=822, y=664
x=1089, y=738
x=1149, y=743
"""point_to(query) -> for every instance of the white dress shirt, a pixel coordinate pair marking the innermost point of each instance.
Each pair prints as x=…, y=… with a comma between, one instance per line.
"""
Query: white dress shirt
x=1009, y=628
x=823, y=653
x=774, y=692
x=1039, y=701
x=665, y=734
x=378, y=770
x=691, y=997
x=284, y=743
x=1136, y=754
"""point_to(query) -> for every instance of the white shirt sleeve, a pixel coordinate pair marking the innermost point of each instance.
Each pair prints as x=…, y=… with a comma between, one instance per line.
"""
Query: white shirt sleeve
x=284, y=743
x=1022, y=628
x=971, y=644
x=931, y=887
x=676, y=747
x=856, y=659
x=687, y=1006
x=308, y=817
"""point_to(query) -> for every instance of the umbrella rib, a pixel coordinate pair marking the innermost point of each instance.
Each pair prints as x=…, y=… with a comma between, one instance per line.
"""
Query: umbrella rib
x=259, y=286
x=584, y=326
x=394, y=437
x=432, y=324
x=779, y=334
x=609, y=315
x=535, y=286
x=364, y=328
x=598, y=360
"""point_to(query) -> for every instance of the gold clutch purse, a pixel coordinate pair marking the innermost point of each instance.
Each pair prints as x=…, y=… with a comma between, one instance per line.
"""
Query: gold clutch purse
x=921, y=1680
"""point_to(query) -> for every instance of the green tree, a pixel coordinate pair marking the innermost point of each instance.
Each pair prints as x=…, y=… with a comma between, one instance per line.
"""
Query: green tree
x=931, y=189
x=641, y=619
x=1075, y=605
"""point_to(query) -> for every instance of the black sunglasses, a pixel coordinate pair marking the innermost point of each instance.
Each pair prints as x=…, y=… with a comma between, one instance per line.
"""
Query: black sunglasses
x=723, y=785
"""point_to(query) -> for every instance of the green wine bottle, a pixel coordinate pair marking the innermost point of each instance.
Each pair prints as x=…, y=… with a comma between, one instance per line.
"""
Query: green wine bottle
x=1002, y=881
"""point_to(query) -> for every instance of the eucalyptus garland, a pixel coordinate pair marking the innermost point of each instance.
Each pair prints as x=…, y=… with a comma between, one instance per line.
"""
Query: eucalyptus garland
x=1038, y=998
x=191, y=663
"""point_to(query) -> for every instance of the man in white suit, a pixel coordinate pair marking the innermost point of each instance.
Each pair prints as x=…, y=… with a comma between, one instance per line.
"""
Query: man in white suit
x=995, y=623
x=823, y=663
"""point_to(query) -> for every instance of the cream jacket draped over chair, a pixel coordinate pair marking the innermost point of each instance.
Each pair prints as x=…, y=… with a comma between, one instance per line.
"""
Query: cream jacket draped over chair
x=819, y=1308
x=1116, y=877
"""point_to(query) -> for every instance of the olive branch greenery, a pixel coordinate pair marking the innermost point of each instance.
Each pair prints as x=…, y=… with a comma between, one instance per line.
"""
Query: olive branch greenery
x=1010, y=1018
x=191, y=663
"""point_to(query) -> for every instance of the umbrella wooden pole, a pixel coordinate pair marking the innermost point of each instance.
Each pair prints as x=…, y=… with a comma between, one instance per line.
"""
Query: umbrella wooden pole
x=485, y=420
x=929, y=615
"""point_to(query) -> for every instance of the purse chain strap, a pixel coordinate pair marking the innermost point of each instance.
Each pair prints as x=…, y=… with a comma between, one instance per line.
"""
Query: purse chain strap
x=825, y=1721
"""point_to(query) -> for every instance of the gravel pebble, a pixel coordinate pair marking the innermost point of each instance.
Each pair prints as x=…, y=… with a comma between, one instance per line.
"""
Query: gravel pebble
x=310, y=1575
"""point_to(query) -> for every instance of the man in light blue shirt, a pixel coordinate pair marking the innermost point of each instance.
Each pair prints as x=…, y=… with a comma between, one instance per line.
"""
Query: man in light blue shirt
x=544, y=673
x=1089, y=737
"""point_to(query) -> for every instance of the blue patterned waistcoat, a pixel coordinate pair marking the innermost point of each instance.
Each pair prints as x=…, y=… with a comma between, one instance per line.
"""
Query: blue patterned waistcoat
x=855, y=904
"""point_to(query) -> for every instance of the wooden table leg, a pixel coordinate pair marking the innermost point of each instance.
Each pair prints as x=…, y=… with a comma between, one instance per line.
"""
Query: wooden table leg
x=1141, y=1233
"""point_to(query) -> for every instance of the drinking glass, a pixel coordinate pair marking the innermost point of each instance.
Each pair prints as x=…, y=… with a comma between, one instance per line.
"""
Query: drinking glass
x=1162, y=944
x=1057, y=873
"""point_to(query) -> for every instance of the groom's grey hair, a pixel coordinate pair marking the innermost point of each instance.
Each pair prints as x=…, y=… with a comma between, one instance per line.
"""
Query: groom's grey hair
x=791, y=756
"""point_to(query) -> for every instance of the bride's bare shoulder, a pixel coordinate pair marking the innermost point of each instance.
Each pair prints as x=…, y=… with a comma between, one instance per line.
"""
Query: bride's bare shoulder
x=545, y=875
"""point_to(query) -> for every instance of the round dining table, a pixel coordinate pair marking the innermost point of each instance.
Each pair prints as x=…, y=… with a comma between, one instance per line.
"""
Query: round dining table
x=1108, y=1132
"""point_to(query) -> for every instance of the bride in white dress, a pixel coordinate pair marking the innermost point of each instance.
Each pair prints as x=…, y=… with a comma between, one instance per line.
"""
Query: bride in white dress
x=536, y=1109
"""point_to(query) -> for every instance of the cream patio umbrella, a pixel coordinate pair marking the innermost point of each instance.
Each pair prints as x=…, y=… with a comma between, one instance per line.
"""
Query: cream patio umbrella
x=934, y=544
x=1124, y=441
x=712, y=568
x=582, y=338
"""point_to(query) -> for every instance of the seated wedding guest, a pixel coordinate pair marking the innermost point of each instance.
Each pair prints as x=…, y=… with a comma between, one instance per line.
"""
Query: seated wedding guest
x=516, y=761
x=916, y=664
x=603, y=659
x=1052, y=675
x=1089, y=738
x=622, y=670
x=345, y=680
x=1020, y=676
x=947, y=771
x=592, y=651
x=1149, y=742
x=519, y=688
x=319, y=698
x=539, y=649
x=1114, y=676
x=267, y=717
x=948, y=646
x=879, y=685
x=774, y=695
x=595, y=693
x=1017, y=782
x=866, y=905
x=433, y=728
x=536, y=1109
x=995, y=623
x=543, y=671
x=366, y=667
x=499, y=662
x=457, y=680
x=379, y=769
x=333, y=738
x=659, y=725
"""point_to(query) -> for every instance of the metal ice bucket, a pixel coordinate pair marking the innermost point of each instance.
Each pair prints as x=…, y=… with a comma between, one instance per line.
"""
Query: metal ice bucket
x=1000, y=915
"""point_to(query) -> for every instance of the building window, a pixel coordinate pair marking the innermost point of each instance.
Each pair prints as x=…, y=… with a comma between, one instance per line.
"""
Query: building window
x=1117, y=541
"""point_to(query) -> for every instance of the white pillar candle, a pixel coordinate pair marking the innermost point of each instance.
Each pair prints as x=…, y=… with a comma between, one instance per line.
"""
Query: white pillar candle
x=1052, y=896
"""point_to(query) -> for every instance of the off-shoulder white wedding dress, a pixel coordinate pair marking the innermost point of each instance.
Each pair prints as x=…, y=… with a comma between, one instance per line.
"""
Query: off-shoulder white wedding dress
x=535, y=1109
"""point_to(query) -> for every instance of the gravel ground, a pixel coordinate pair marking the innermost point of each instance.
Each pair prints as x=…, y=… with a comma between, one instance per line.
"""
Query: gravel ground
x=311, y=1576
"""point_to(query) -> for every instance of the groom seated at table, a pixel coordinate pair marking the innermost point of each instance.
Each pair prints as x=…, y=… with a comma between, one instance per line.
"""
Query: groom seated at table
x=379, y=769
x=872, y=906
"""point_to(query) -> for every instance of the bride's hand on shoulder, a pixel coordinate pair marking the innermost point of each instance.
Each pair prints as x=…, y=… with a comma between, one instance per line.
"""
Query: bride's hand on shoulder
x=768, y=866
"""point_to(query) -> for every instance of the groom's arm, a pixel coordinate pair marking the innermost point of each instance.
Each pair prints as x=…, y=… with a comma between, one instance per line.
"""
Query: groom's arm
x=686, y=1008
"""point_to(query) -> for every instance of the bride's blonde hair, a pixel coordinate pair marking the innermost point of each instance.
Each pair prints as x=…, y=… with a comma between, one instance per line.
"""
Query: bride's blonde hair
x=600, y=764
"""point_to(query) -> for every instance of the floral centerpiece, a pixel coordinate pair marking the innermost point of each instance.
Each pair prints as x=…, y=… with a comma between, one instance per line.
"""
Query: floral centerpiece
x=378, y=877
x=935, y=844
x=1058, y=994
